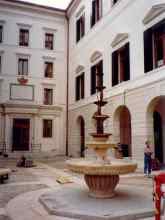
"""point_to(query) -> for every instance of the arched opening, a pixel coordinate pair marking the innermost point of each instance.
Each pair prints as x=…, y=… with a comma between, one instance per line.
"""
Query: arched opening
x=156, y=127
x=81, y=125
x=122, y=130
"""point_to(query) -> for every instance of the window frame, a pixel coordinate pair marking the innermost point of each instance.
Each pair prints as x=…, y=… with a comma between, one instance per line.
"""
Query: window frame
x=47, y=62
x=24, y=44
x=149, y=32
x=45, y=133
x=52, y=42
x=97, y=14
x=1, y=33
x=118, y=66
x=93, y=89
x=45, y=100
x=80, y=92
x=80, y=18
x=23, y=66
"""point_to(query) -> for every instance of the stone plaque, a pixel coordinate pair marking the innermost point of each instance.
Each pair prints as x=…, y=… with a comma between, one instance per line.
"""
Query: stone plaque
x=21, y=92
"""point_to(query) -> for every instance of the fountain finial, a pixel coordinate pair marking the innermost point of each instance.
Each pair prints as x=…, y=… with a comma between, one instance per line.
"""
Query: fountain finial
x=98, y=116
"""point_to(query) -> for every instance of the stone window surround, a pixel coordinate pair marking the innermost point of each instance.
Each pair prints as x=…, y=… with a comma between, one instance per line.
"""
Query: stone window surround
x=2, y=23
x=1, y=64
x=78, y=16
x=52, y=127
x=94, y=62
x=49, y=31
x=23, y=56
x=47, y=86
x=48, y=59
x=23, y=26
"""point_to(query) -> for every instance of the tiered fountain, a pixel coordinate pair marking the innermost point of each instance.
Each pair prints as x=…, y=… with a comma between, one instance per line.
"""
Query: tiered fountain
x=101, y=175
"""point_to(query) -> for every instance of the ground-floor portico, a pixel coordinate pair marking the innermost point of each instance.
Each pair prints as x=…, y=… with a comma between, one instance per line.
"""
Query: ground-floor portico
x=33, y=129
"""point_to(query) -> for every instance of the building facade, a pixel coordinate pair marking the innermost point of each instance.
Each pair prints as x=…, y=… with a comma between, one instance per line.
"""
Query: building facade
x=51, y=62
x=33, y=44
x=124, y=40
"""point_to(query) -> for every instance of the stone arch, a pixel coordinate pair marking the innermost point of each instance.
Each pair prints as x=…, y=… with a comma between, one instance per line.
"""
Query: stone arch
x=96, y=56
x=80, y=122
x=156, y=126
x=122, y=129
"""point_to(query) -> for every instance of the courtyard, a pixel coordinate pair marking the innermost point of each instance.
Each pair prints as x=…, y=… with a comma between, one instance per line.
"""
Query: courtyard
x=19, y=196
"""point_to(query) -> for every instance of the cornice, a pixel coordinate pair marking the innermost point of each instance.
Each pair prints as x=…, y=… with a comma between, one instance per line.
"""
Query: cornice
x=33, y=6
x=155, y=11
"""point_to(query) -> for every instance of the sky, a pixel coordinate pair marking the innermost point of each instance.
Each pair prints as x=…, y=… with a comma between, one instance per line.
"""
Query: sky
x=53, y=3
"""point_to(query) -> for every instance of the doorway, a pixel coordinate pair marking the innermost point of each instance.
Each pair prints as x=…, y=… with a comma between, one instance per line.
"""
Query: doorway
x=21, y=134
x=158, y=136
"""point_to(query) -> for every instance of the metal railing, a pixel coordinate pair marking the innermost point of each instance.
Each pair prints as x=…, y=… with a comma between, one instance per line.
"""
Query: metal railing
x=2, y=148
x=35, y=148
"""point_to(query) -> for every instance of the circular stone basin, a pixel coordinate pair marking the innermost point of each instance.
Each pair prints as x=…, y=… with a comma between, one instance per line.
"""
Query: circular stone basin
x=94, y=167
x=100, y=177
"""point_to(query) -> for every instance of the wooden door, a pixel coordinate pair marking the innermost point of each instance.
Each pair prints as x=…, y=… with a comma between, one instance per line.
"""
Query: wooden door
x=21, y=131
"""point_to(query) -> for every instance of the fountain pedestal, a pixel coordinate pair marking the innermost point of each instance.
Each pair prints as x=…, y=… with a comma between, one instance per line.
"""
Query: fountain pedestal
x=101, y=186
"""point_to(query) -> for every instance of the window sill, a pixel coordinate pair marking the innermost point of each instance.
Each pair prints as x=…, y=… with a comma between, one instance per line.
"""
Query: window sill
x=157, y=69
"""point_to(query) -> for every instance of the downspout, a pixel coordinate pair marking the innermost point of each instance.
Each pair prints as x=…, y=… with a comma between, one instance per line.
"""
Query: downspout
x=67, y=90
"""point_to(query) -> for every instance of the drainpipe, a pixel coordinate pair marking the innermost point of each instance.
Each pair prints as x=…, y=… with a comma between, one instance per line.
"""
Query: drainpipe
x=67, y=90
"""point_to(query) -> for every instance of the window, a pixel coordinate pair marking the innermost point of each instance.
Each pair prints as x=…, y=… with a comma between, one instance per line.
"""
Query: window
x=49, y=69
x=121, y=65
x=154, y=46
x=115, y=1
x=96, y=76
x=24, y=37
x=0, y=63
x=80, y=27
x=49, y=38
x=22, y=66
x=96, y=11
x=48, y=96
x=80, y=87
x=47, y=128
x=1, y=33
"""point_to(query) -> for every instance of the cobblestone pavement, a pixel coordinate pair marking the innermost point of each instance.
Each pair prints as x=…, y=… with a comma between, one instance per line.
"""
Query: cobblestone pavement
x=24, y=180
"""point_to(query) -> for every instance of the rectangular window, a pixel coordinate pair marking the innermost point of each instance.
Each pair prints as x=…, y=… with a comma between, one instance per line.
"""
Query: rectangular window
x=80, y=87
x=154, y=46
x=47, y=128
x=115, y=1
x=96, y=76
x=48, y=96
x=80, y=27
x=24, y=37
x=49, y=69
x=22, y=66
x=96, y=11
x=1, y=33
x=121, y=65
x=0, y=64
x=49, y=38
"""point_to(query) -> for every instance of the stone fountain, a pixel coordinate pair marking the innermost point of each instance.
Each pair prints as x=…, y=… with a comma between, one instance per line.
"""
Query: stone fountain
x=101, y=175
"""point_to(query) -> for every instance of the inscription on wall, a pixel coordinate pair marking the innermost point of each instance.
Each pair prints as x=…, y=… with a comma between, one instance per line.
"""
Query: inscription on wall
x=21, y=92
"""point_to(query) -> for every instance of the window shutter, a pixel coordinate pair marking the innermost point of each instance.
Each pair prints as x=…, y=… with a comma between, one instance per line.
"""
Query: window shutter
x=100, y=71
x=148, y=50
x=93, y=80
x=127, y=62
x=82, y=86
x=93, y=13
x=115, y=78
x=77, y=30
x=77, y=89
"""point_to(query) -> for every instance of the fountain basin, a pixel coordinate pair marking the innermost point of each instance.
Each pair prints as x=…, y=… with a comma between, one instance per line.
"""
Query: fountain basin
x=100, y=177
x=93, y=167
